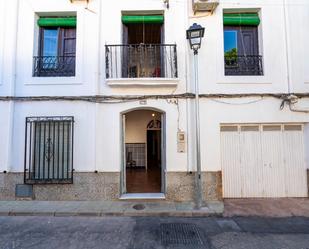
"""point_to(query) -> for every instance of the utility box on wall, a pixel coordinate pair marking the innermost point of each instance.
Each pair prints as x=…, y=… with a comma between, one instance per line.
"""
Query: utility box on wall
x=24, y=191
x=204, y=5
x=181, y=142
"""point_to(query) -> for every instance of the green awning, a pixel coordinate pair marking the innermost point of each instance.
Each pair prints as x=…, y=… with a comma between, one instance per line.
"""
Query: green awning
x=244, y=19
x=57, y=22
x=143, y=19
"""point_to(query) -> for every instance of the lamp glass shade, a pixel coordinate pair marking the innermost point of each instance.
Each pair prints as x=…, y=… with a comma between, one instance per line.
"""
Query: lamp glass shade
x=194, y=35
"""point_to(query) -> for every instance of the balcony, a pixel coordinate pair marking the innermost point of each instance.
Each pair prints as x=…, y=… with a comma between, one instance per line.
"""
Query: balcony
x=243, y=65
x=140, y=61
x=53, y=66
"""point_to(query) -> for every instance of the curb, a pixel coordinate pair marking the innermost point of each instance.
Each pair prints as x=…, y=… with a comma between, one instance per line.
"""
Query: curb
x=114, y=214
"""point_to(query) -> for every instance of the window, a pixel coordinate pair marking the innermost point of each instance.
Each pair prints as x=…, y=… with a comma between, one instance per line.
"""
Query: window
x=57, y=47
x=241, y=45
x=143, y=53
x=49, y=150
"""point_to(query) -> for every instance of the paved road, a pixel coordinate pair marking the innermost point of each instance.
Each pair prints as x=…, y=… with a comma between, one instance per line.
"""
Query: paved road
x=162, y=233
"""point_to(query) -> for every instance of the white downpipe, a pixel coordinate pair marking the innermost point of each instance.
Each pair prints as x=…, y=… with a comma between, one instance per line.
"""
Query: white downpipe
x=287, y=44
x=12, y=92
x=98, y=88
x=188, y=101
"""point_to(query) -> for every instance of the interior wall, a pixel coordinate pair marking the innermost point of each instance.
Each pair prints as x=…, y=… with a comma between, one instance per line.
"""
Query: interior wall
x=136, y=125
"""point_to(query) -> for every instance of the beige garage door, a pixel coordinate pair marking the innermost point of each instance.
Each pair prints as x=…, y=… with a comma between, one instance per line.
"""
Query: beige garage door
x=263, y=161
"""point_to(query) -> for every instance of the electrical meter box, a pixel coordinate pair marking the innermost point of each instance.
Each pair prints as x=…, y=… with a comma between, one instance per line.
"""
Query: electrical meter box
x=181, y=142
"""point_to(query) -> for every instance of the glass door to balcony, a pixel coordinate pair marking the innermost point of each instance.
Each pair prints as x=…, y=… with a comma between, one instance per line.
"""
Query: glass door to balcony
x=142, y=50
x=143, y=53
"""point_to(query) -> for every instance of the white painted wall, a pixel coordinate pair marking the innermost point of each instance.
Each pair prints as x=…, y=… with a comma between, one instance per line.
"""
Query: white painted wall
x=2, y=16
x=237, y=111
x=101, y=25
x=108, y=134
x=84, y=131
x=97, y=127
x=298, y=20
x=273, y=48
x=86, y=49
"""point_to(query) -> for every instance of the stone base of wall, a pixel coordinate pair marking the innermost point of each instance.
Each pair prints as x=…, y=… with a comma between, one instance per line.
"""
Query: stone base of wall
x=180, y=186
x=87, y=186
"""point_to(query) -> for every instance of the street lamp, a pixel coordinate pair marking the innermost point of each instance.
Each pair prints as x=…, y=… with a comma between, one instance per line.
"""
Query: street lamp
x=195, y=34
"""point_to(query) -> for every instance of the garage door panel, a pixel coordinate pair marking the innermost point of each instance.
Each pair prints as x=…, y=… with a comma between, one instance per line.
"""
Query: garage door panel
x=250, y=157
x=230, y=161
x=272, y=165
x=265, y=162
x=294, y=160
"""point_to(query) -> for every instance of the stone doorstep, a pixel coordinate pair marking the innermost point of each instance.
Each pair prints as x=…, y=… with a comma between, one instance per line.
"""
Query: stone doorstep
x=121, y=209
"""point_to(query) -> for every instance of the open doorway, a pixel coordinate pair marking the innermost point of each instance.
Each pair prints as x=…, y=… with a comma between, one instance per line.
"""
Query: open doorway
x=143, y=164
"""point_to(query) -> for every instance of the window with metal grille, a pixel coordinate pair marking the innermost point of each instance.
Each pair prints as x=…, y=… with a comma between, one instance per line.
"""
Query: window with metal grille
x=49, y=150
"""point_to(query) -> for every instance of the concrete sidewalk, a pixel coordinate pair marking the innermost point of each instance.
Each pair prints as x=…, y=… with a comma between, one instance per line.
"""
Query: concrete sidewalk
x=267, y=207
x=108, y=208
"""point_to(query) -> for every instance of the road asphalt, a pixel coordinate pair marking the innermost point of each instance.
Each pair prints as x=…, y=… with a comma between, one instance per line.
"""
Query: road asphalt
x=153, y=232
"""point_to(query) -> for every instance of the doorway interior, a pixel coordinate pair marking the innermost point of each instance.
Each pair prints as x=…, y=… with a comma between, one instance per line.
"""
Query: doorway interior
x=143, y=164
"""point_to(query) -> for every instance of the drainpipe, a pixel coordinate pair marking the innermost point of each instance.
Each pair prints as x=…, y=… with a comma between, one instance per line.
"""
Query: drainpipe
x=98, y=88
x=99, y=52
x=287, y=44
x=188, y=101
x=291, y=99
x=12, y=92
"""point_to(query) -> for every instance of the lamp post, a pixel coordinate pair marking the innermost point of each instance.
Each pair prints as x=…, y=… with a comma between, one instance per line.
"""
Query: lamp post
x=195, y=34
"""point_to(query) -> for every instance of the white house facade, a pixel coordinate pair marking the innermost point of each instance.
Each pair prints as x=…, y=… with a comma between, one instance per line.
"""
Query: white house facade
x=97, y=99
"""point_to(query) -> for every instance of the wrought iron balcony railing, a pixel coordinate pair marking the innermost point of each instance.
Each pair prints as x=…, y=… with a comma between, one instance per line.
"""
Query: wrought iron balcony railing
x=53, y=66
x=243, y=65
x=141, y=61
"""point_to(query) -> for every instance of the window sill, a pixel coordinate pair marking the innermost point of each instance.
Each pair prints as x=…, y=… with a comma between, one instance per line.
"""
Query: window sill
x=246, y=79
x=74, y=80
x=143, y=82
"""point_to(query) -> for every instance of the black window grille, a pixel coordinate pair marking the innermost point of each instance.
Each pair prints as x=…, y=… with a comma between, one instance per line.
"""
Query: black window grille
x=49, y=150
x=53, y=66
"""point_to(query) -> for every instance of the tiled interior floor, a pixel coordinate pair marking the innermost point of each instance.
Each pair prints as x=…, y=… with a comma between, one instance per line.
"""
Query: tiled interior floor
x=140, y=180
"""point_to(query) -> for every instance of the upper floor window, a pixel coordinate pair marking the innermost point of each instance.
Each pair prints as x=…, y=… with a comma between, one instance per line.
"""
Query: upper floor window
x=57, y=47
x=241, y=44
x=143, y=53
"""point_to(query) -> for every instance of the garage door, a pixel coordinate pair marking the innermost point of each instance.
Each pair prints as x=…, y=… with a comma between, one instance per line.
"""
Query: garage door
x=263, y=161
